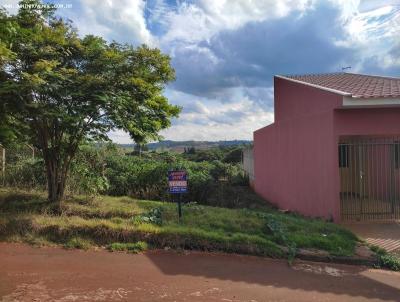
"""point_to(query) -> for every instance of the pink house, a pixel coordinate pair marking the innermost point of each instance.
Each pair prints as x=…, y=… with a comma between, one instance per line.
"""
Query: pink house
x=334, y=148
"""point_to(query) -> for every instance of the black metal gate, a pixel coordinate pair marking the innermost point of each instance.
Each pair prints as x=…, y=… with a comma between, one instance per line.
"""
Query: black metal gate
x=369, y=178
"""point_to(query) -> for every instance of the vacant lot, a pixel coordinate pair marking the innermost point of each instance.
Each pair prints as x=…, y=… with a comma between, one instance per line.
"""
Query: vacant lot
x=122, y=223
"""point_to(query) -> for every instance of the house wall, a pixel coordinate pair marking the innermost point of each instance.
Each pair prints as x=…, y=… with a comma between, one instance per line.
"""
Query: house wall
x=293, y=100
x=295, y=157
x=367, y=121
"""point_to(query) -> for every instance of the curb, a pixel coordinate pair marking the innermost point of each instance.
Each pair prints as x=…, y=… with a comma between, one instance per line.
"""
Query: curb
x=339, y=260
x=362, y=257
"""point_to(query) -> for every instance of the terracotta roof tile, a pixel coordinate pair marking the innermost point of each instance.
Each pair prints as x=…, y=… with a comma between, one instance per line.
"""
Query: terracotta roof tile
x=358, y=85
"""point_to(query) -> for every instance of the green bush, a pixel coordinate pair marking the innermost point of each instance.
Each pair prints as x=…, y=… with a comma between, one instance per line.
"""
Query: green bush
x=26, y=173
x=390, y=262
x=386, y=260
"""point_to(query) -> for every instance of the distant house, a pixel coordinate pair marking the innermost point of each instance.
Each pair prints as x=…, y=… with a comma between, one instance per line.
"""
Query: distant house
x=334, y=148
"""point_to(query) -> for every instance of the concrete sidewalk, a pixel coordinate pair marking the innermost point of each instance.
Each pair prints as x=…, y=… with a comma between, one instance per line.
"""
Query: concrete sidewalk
x=385, y=235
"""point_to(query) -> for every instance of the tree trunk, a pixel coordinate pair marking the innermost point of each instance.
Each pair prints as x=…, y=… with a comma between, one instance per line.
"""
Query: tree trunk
x=56, y=179
x=57, y=158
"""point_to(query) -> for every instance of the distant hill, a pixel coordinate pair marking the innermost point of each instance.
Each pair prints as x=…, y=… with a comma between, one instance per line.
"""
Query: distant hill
x=179, y=146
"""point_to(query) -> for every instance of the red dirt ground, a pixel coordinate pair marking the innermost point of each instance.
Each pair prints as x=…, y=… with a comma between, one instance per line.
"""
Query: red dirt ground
x=55, y=274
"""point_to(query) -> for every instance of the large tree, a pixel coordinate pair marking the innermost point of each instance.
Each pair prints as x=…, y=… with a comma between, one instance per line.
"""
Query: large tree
x=58, y=88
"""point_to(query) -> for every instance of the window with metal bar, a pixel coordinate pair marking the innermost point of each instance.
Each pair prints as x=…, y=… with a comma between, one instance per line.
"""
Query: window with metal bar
x=396, y=157
x=343, y=156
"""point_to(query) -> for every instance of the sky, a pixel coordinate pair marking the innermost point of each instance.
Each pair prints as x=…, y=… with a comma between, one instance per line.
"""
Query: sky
x=226, y=52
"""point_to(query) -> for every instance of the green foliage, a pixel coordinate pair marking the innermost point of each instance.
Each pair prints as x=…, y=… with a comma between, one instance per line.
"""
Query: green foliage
x=146, y=176
x=389, y=261
x=133, y=247
x=197, y=155
x=22, y=170
x=152, y=216
x=278, y=230
x=106, y=169
x=378, y=250
x=78, y=243
x=225, y=154
x=386, y=260
x=58, y=89
x=233, y=155
x=88, y=170
x=26, y=173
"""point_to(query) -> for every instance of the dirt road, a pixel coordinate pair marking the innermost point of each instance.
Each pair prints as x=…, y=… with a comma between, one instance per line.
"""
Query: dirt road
x=54, y=274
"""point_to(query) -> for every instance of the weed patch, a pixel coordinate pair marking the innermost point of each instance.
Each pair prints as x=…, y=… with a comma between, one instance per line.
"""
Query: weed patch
x=133, y=247
x=279, y=232
x=78, y=243
x=386, y=260
x=152, y=216
x=390, y=262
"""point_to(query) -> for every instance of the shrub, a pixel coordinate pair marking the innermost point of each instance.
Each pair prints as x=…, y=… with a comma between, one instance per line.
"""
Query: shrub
x=386, y=260
x=390, y=262
x=26, y=173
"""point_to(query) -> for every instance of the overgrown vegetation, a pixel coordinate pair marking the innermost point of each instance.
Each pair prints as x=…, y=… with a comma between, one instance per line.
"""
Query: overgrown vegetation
x=134, y=247
x=117, y=221
x=111, y=170
x=386, y=260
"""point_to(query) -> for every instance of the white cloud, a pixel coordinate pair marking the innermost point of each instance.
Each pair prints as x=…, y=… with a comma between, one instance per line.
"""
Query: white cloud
x=235, y=116
x=120, y=137
x=212, y=121
x=120, y=20
x=193, y=22
x=228, y=122
x=373, y=27
x=10, y=5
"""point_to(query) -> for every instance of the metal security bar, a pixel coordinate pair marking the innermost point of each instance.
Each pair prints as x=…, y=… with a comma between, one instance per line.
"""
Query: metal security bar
x=369, y=178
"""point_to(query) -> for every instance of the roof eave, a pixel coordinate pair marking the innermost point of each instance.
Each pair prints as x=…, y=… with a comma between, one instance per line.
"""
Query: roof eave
x=315, y=86
x=358, y=102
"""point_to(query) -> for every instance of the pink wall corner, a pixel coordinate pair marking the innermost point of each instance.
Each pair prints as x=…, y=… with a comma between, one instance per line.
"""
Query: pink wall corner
x=296, y=165
x=293, y=100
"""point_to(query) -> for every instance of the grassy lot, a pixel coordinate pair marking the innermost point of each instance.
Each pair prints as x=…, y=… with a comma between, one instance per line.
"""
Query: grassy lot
x=122, y=223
